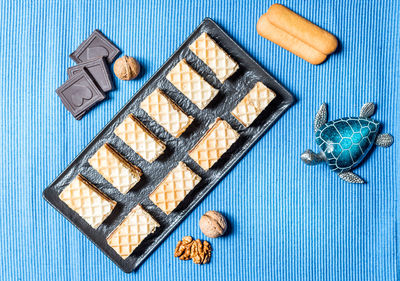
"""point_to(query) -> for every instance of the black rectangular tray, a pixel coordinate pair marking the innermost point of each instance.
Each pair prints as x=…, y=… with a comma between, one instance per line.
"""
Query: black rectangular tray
x=230, y=93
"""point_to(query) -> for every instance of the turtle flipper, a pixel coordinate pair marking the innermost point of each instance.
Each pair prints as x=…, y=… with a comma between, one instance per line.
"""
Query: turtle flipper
x=311, y=158
x=384, y=140
x=367, y=110
x=321, y=117
x=351, y=177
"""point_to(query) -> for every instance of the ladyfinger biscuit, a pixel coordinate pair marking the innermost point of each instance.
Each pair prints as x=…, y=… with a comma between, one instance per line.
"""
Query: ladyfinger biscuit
x=289, y=42
x=296, y=34
x=304, y=30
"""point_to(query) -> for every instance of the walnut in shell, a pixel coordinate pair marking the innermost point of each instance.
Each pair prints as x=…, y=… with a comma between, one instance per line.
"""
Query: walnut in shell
x=213, y=224
x=126, y=68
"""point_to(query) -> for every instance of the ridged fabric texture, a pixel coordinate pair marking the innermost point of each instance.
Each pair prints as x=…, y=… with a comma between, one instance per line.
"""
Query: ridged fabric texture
x=288, y=221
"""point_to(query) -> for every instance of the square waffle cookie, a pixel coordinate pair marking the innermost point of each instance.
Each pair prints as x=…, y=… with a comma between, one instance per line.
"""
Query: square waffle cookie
x=174, y=188
x=253, y=104
x=115, y=168
x=166, y=113
x=140, y=139
x=191, y=84
x=132, y=231
x=86, y=200
x=214, y=56
x=213, y=144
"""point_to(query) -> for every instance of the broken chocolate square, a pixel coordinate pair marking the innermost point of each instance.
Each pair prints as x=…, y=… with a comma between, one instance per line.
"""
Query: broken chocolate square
x=99, y=70
x=96, y=46
x=80, y=93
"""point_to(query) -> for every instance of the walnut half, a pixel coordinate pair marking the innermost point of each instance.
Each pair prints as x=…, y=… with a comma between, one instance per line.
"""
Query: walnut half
x=183, y=247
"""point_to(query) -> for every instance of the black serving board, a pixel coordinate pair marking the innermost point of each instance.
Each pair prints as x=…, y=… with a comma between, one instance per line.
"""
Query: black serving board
x=230, y=93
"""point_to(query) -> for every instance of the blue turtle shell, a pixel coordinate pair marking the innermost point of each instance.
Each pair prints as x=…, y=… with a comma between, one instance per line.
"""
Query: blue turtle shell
x=346, y=141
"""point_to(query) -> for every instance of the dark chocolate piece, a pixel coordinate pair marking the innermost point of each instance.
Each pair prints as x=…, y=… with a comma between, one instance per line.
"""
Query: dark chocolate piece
x=80, y=93
x=95, y=46
x=98, y=69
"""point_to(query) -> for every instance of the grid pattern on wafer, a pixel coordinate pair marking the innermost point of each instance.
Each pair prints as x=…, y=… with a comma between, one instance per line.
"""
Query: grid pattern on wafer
x=166, y=113
x=191, y=84
x=213, y=144
x=174, y=188
x=132, y=231
x=84, y=198
x=139, y=138
x=253, y=104
x=115, y=169
x=214, y=56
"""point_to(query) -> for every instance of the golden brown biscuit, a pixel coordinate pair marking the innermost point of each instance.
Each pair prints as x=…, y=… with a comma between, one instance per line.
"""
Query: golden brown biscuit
x=304, y=30
x=296, y=34
x=288, y=42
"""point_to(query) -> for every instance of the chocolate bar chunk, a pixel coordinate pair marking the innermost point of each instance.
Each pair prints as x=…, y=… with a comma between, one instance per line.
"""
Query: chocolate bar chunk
x=96, y=46
x=80, y=93
x=99, y=70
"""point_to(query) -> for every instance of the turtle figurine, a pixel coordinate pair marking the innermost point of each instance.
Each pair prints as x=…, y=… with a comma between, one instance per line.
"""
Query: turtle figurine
x=345, y=142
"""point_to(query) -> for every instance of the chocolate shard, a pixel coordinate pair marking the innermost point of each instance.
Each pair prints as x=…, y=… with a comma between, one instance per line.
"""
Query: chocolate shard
x=95, y=46
x=98, y=69
x=80, y=93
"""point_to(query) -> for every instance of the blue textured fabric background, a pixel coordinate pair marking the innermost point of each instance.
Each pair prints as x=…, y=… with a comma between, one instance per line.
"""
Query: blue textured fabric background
x=289, y=221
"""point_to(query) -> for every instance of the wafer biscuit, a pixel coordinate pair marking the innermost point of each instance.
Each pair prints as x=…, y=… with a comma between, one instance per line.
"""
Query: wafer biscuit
x=174, y=188
x=115, y=168
x=166, y=113
x=214, y=56
x=132, y=231
x=139, y=138
x=191, y=84
x=213, y=144
x=86, y=200
x=253, y=104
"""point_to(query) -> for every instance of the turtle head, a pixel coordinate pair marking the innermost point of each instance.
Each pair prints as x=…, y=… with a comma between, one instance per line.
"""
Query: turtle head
x=311, y=158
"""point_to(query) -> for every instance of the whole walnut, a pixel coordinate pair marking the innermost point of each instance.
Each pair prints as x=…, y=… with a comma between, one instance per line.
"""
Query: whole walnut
x=126, y=68
x=213, y=224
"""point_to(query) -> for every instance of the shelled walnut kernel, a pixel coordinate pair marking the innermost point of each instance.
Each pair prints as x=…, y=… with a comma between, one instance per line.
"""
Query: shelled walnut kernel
x=198, y=252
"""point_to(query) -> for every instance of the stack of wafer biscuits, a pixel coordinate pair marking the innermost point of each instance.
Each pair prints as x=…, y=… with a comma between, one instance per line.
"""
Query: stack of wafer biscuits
x=166, y=113
x=86, y=200
x=136, y=226
x=139, y=138
x=115, y=168
x=214, y=56
x=253, y=104
x=174, y=188
x=191, y=84
x=216, y=141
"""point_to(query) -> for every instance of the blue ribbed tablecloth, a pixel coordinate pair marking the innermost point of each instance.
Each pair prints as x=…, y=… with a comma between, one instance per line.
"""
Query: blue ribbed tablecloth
x=289, y=221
